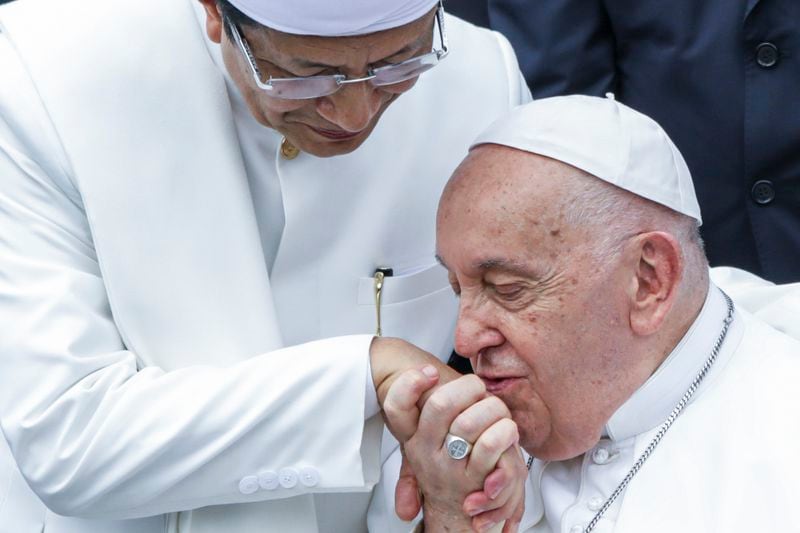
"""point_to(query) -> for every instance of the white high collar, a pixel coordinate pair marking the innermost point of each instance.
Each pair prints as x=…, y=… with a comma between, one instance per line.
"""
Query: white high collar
x=650, y=405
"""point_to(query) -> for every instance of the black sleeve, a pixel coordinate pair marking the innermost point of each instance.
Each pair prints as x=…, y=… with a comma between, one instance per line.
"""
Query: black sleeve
x=563, y=46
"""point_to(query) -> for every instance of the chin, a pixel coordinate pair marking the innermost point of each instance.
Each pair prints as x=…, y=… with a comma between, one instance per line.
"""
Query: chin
x=332, y=149
x=555, y=450
x=320, y=147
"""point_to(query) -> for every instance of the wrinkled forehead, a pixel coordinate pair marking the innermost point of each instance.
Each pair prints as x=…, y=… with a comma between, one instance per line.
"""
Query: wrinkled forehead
x=503, y=180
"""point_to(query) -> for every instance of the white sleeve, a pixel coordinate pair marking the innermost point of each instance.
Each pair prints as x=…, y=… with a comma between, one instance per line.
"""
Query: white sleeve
x=777, y=305
x=97, y=436
x=371, y=406
x=381, y=516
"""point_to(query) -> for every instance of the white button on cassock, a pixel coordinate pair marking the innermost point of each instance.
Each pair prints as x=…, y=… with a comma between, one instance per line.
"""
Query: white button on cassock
x=600, y=456
x=309, y=476
x=287, y=477
x=248, y=485
x=268, y=480
x=595, y=503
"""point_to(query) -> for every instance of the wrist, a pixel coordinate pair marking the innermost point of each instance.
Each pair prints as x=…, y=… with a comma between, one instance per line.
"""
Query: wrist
x=444, y=521
x=390, y=357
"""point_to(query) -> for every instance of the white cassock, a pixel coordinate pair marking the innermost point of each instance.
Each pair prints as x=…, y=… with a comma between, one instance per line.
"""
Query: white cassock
x=156, y=312
x=729, y=462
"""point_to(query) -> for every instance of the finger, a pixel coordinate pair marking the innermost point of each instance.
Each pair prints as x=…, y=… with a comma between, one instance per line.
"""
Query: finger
x=507, y=505
x=490, y=446
x=498, y=488
x=509, y=514
x=512, y=524
x=407, y=502
x=445, y=404
x=400, y=405
x=485, y=524
x=475, y=419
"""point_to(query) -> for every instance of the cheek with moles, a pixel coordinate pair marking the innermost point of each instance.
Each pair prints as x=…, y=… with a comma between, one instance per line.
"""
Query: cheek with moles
x=538, y=319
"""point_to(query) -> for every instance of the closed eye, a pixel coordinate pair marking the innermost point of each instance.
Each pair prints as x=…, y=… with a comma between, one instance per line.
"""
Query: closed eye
x=508, y=292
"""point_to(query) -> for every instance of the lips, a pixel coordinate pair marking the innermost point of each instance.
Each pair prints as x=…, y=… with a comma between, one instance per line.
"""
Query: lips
x=336, y=135
x=496, y=385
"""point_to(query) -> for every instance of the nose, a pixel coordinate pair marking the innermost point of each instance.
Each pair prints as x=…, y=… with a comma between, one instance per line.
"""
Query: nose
x=475, y=331
x=352, y=107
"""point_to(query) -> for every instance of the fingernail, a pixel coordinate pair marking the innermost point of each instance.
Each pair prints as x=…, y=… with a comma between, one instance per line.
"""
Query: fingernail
x=494, y=491
x=475, y=511
x=430, y=371
x=486, y=526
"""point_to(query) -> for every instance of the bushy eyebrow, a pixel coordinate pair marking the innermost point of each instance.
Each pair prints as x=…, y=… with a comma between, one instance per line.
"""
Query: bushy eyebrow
x=508, y=265
x=503, y=265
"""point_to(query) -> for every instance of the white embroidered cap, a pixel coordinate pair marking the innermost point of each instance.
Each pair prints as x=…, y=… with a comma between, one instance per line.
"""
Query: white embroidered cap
x=333, y=18
x=604, y=138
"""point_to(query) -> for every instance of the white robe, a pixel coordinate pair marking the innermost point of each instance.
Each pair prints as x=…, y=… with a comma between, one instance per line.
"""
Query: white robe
x=148, y=363
x=728, y=464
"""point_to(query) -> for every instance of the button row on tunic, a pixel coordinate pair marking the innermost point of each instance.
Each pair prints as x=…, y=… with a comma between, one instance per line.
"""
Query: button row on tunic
x=603, y=456
x=285, y=477
x=288, y=150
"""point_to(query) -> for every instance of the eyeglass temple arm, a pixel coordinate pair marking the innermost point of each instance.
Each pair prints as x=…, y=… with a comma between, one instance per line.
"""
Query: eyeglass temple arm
x=442, y=33
x=251, y=61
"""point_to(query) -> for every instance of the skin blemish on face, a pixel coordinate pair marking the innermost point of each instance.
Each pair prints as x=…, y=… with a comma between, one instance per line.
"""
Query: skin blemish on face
x=555, y=232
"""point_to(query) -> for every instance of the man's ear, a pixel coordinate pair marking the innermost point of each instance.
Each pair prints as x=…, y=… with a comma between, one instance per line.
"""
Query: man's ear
x=658, y=270
x=213, y=20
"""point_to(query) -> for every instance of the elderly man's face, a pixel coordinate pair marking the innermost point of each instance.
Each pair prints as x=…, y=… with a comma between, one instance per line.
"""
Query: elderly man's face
x=543, y=322
x=338, y=123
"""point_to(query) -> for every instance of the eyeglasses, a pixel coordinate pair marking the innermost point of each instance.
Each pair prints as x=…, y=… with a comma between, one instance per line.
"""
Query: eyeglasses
x=317, y=86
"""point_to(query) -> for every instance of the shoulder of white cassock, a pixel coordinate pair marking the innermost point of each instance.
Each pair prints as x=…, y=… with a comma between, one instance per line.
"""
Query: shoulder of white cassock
x=777, y=305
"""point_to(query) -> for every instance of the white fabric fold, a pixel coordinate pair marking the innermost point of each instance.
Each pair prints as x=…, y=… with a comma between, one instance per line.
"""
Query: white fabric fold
x=334, y=19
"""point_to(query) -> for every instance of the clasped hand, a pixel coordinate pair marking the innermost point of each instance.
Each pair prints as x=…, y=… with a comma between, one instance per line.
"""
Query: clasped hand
x=481, y=492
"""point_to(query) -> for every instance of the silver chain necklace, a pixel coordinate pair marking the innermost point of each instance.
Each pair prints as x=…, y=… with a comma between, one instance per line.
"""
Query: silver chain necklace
x=670, y=419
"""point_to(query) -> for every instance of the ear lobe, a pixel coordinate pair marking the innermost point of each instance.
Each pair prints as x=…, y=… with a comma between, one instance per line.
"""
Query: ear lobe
x=658, y=274
x=213, y=20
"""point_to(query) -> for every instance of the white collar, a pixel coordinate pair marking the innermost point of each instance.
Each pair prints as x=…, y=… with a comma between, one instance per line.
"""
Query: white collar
x=650, y=405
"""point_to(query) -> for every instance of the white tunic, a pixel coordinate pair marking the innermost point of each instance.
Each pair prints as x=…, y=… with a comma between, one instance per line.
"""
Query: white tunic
x=726, y=465
x=152, y=369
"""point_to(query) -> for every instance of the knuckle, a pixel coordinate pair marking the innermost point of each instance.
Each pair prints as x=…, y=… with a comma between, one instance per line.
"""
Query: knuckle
x=464, y=426
x=497, y=406
x=491, y=443
x=391, y=410
x=474, y=382
x=438, y=404
x=509, y=428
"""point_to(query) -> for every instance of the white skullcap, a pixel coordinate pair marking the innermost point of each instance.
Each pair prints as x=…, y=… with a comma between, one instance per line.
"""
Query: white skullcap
x=333, y=18
x=604, y=138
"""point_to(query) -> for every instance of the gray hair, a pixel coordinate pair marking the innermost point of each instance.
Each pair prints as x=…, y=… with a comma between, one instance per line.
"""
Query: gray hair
x=612, y=215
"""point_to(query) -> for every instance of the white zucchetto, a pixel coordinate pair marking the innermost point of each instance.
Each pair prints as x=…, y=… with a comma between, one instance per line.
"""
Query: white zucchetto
x=604, y=138
x=332, y=18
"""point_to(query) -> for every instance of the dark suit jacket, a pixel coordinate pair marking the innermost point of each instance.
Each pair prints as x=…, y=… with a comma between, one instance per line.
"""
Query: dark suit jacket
x=723, y=79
